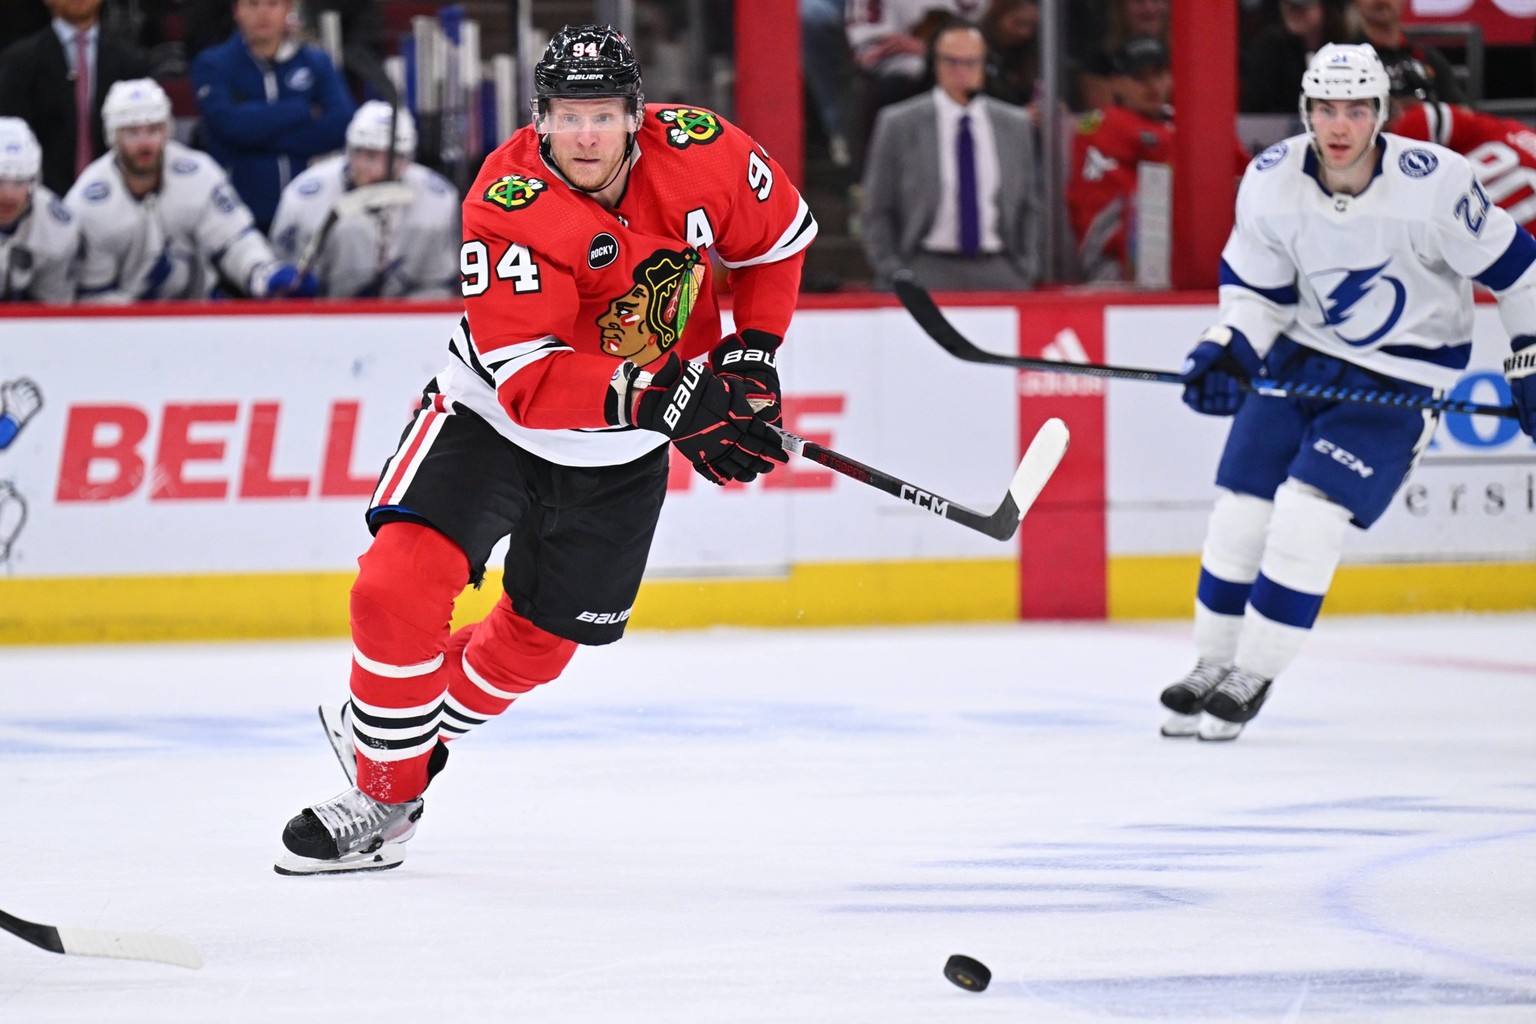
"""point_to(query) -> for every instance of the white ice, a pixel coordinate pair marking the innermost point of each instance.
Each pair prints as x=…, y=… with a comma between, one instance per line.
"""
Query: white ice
x=800, y=826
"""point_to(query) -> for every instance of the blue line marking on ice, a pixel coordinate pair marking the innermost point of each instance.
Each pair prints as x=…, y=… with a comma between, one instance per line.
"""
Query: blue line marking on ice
x=1340, y=900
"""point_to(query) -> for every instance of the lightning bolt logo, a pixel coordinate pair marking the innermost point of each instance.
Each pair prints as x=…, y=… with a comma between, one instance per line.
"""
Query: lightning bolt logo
x=1340, y=304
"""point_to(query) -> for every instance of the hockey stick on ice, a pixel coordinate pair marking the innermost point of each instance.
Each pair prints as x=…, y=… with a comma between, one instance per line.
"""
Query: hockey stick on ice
x=1040, y=461
x=90, y=942
x=382, y=195
x=928, y=316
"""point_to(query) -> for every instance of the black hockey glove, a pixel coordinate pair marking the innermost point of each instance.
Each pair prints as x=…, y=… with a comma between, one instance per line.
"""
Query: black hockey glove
x=708, y=418
x=1216, y=369
x=749, y=357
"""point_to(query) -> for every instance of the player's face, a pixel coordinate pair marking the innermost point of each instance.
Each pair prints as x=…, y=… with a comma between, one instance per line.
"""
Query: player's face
x=960, y=64
x=625, y=331
x=264, y=23
x=1146, y=92
x=371, y=166
x=140, y=147
x=1344, y=129
x=587, y=138
x=14, y=197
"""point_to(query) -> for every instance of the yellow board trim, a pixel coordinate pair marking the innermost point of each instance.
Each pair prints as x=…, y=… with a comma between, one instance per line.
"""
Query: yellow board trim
x=1163, y=587
x=232, y=606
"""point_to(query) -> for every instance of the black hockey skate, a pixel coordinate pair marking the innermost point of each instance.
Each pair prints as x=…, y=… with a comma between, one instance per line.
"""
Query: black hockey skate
x=349, y=832
x=1186, y=698
x=1234, y=703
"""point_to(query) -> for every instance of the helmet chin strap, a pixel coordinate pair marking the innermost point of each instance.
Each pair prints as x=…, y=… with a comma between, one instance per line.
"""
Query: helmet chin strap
x=629, y=149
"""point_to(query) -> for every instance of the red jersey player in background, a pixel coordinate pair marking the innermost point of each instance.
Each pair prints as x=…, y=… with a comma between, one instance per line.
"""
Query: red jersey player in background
x=587, y=287
x=1502, y=151
x=1109, y=146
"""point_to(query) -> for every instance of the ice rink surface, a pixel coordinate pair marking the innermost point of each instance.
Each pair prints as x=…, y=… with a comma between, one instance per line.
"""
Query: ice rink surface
x=800, y=826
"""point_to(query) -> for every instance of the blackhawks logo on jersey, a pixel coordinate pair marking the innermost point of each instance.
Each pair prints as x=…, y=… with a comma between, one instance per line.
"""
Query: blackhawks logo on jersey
x=687, y=126
x=514, y=191
x=646, y=321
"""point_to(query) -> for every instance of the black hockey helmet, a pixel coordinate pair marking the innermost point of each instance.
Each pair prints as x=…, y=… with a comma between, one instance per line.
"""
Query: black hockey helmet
x=1410, y=77
x=587, y=62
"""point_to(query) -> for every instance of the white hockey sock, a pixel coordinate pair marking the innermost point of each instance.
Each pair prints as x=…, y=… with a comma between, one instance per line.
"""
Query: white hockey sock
x=1229, y=562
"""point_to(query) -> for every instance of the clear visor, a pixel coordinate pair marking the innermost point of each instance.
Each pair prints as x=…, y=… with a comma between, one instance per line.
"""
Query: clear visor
x=549, y=122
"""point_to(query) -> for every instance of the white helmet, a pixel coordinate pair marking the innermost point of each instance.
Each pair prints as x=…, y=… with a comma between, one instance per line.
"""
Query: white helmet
x=133, y=102
x=369, y=129
x=1346, y=71
x=20, y=156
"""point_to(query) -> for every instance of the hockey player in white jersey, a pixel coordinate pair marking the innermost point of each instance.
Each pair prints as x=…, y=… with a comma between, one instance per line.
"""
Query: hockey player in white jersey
x=392, y=250
x=39, y=240
x=1350, y=264
x=160, y=220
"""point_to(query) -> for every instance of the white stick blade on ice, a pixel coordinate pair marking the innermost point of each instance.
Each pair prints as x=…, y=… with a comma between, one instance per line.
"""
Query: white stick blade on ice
x=129, y=946
x=1040, y=461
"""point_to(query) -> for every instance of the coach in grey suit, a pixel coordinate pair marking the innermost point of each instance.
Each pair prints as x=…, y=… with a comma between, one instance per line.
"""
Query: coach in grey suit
x=950, y=181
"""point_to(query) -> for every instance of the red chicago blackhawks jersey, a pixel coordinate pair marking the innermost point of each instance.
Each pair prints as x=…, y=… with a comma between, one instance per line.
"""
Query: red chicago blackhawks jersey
x=1101, y=194
x=1503, y=152
x=558, y=289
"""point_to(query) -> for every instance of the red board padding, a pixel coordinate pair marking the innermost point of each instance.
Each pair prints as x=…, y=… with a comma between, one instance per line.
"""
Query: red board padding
x=1062, y=540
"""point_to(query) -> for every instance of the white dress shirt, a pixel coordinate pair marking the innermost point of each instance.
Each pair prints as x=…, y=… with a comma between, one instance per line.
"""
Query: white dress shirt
x=944, y=236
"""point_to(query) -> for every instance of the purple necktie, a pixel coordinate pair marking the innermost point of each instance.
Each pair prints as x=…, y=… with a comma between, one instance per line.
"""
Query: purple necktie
x=970, y=211
x=82, y=103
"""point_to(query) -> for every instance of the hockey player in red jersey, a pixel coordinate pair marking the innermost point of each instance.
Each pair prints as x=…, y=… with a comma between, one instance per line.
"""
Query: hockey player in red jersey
x=1502, y=151
x=587, y=285
x=1109, y=147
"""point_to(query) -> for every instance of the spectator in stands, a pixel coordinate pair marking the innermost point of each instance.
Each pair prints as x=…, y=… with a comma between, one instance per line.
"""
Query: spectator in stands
x=406, y=246
x=1502, y=151
x=55, y=78
x=159, y=220
x=950, y=186
x=39, y=240
x=1128, y=19
x=1110, y=146
x=824, y=52
x=1274, y=61
x=269, y=104
x=1012, y=28
x=1381, y=25
x=888, y=39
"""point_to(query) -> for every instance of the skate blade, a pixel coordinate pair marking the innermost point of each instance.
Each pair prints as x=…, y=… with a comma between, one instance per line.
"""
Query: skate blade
x=385, y=857
x=1218, y=730
x=1180, y=727
x=340, y=738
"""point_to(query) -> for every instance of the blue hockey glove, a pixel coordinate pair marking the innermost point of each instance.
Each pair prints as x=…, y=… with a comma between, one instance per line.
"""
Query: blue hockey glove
x=1520, y=371
x=1215, y=369
x=749, y=358
x=707, y=417
x=285, y=281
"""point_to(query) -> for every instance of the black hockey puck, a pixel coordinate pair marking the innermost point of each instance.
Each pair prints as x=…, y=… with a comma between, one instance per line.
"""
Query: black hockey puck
x=971, y=975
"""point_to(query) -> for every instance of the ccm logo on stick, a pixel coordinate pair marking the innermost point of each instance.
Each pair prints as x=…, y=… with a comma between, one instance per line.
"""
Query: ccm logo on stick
x=922, y=499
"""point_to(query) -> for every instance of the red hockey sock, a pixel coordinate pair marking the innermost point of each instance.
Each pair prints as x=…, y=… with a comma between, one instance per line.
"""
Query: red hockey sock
x=495, y=661
x=402, y=602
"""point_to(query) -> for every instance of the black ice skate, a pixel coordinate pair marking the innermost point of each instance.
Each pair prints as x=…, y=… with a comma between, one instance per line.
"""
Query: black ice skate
x=1234, y=703
x=349, y=832
x=1186, y=698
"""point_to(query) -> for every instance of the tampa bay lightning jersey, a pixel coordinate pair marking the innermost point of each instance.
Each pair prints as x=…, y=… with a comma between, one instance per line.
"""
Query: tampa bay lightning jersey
x=1382, y=279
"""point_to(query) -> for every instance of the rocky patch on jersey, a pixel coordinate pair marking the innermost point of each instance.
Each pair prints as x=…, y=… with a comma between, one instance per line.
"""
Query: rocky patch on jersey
x=514, y=192
x=688, y=126
x=603, y=250
x=646, y=321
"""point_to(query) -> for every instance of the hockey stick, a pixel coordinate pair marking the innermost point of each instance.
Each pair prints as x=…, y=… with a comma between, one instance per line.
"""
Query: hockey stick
x=117, y=945
x=1039, y=462
x=382, y=195
x=928, y=316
